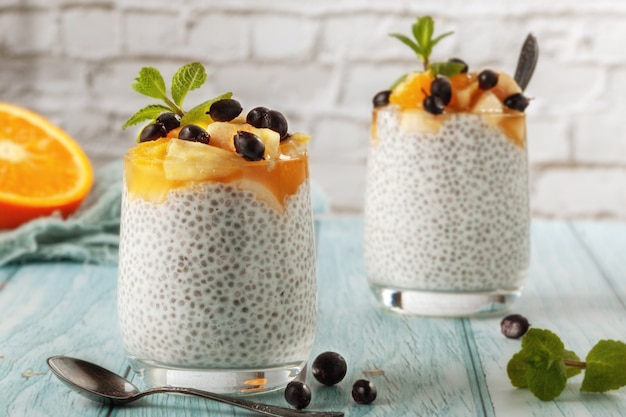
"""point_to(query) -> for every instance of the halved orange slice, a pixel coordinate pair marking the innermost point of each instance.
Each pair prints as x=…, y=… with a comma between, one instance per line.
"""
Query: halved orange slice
x=42, y=169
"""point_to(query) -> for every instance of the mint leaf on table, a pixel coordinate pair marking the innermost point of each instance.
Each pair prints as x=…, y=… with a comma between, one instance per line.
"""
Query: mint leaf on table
x=149, y=112
x=606, y=367
x=188, y=77
x=198, y=114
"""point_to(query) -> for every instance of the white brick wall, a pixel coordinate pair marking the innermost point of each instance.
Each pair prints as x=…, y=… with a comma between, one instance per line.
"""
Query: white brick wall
x=320, y=61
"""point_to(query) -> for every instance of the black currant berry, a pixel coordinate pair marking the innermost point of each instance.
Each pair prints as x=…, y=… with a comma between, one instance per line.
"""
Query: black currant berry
x=329, y=368
x=262, y=117
x=258, y=117
x=249, y=146
x=441, y=87
x=381, y=98
x=194, y=133
x=298, y=394
x=278, y=123
x=363, y=392
x=514, y=326
x=517, y=102
x=152, y=131
x=460, y=61
x=225, y=110
x=169, y=120
x=487, y=79
x=433, y=105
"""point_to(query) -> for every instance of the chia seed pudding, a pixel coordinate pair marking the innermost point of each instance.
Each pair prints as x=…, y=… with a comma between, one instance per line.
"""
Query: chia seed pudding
x=214, y=278
x=446, y=211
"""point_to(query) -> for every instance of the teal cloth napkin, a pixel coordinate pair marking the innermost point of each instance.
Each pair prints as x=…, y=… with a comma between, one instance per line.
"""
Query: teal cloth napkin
x=91, y=234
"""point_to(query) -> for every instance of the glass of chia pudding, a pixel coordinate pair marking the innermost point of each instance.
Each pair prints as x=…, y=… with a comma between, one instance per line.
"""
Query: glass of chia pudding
x=446, y=218
x=217, y=284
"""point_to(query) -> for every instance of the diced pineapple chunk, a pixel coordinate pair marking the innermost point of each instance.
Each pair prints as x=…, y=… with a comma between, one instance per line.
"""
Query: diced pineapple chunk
x=487, y=102
x=506, y=86
x=195, y=161
x=222, y=134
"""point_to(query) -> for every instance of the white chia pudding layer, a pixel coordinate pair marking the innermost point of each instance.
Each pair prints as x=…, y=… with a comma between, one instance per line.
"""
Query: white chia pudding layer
x=214, y=278
x=446, y=210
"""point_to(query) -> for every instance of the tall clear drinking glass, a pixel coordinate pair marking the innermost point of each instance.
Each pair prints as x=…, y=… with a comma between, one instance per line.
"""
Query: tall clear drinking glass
x=447, y=219
x=217, y=284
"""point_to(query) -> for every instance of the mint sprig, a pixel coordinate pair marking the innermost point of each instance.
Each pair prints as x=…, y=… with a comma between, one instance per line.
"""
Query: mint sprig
x=151, y=83
x=543, y=365
x=423, y=43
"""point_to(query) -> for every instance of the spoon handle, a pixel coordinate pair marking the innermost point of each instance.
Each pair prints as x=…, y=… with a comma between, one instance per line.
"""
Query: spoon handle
x=527, y=61
x=268, y=410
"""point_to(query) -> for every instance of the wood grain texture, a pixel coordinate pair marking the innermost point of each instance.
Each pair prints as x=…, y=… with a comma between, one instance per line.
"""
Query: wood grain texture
x=432, y=367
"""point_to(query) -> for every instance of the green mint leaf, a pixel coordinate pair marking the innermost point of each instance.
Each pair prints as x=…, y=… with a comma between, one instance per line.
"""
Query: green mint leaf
x=150, y=112
x=150, y=83
x=606, y=367
x=447, y=69
x=422, y=31
x=198, y=114
x=547, y=380
x=188, y=77
x=539, y=364
x=517, y=370
x=405, y=40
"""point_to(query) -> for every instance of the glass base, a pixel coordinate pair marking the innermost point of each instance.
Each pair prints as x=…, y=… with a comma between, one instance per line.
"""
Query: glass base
x=445, y=304
x=221, y=381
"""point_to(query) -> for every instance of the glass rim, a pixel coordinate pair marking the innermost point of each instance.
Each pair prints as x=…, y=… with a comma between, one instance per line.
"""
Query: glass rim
x=236, y=160
x=421, y=112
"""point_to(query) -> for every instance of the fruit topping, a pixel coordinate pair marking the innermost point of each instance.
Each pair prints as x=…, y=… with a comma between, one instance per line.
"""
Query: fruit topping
x=517, y=102
x=152, y=131
x=262, y=117
x=169, y=120
x=249, y=146
x=487, y=79
x=225, y=110
x=441, y=87
x=195, y=161
x=514, y=326
x=381, y=98
x=298, y=394
x=410, y=93
x=363, y=392
x=329, y=368
x=464, y=69
x=433, y=105
x=194, y=133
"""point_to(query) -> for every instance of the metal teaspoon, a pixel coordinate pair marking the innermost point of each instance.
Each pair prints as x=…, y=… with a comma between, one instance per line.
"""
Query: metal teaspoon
x=100, y=384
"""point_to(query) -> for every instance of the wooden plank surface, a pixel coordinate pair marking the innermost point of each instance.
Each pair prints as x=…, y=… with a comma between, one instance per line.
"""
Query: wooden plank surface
x=431, y=366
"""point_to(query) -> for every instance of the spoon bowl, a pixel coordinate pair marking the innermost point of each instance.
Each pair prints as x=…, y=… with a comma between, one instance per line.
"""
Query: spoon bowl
x=99, y=384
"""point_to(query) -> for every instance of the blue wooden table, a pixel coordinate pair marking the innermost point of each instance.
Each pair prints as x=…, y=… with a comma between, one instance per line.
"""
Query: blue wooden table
x=421, y=366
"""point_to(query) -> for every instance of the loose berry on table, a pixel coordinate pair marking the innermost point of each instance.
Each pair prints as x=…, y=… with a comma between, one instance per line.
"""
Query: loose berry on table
x=364, y=392
x=298, y=394
x=329, y=368
x=487, y=79
x=514, y=326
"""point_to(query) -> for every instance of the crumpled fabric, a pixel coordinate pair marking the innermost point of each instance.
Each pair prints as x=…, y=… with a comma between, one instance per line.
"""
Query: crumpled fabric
x=91, y=234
